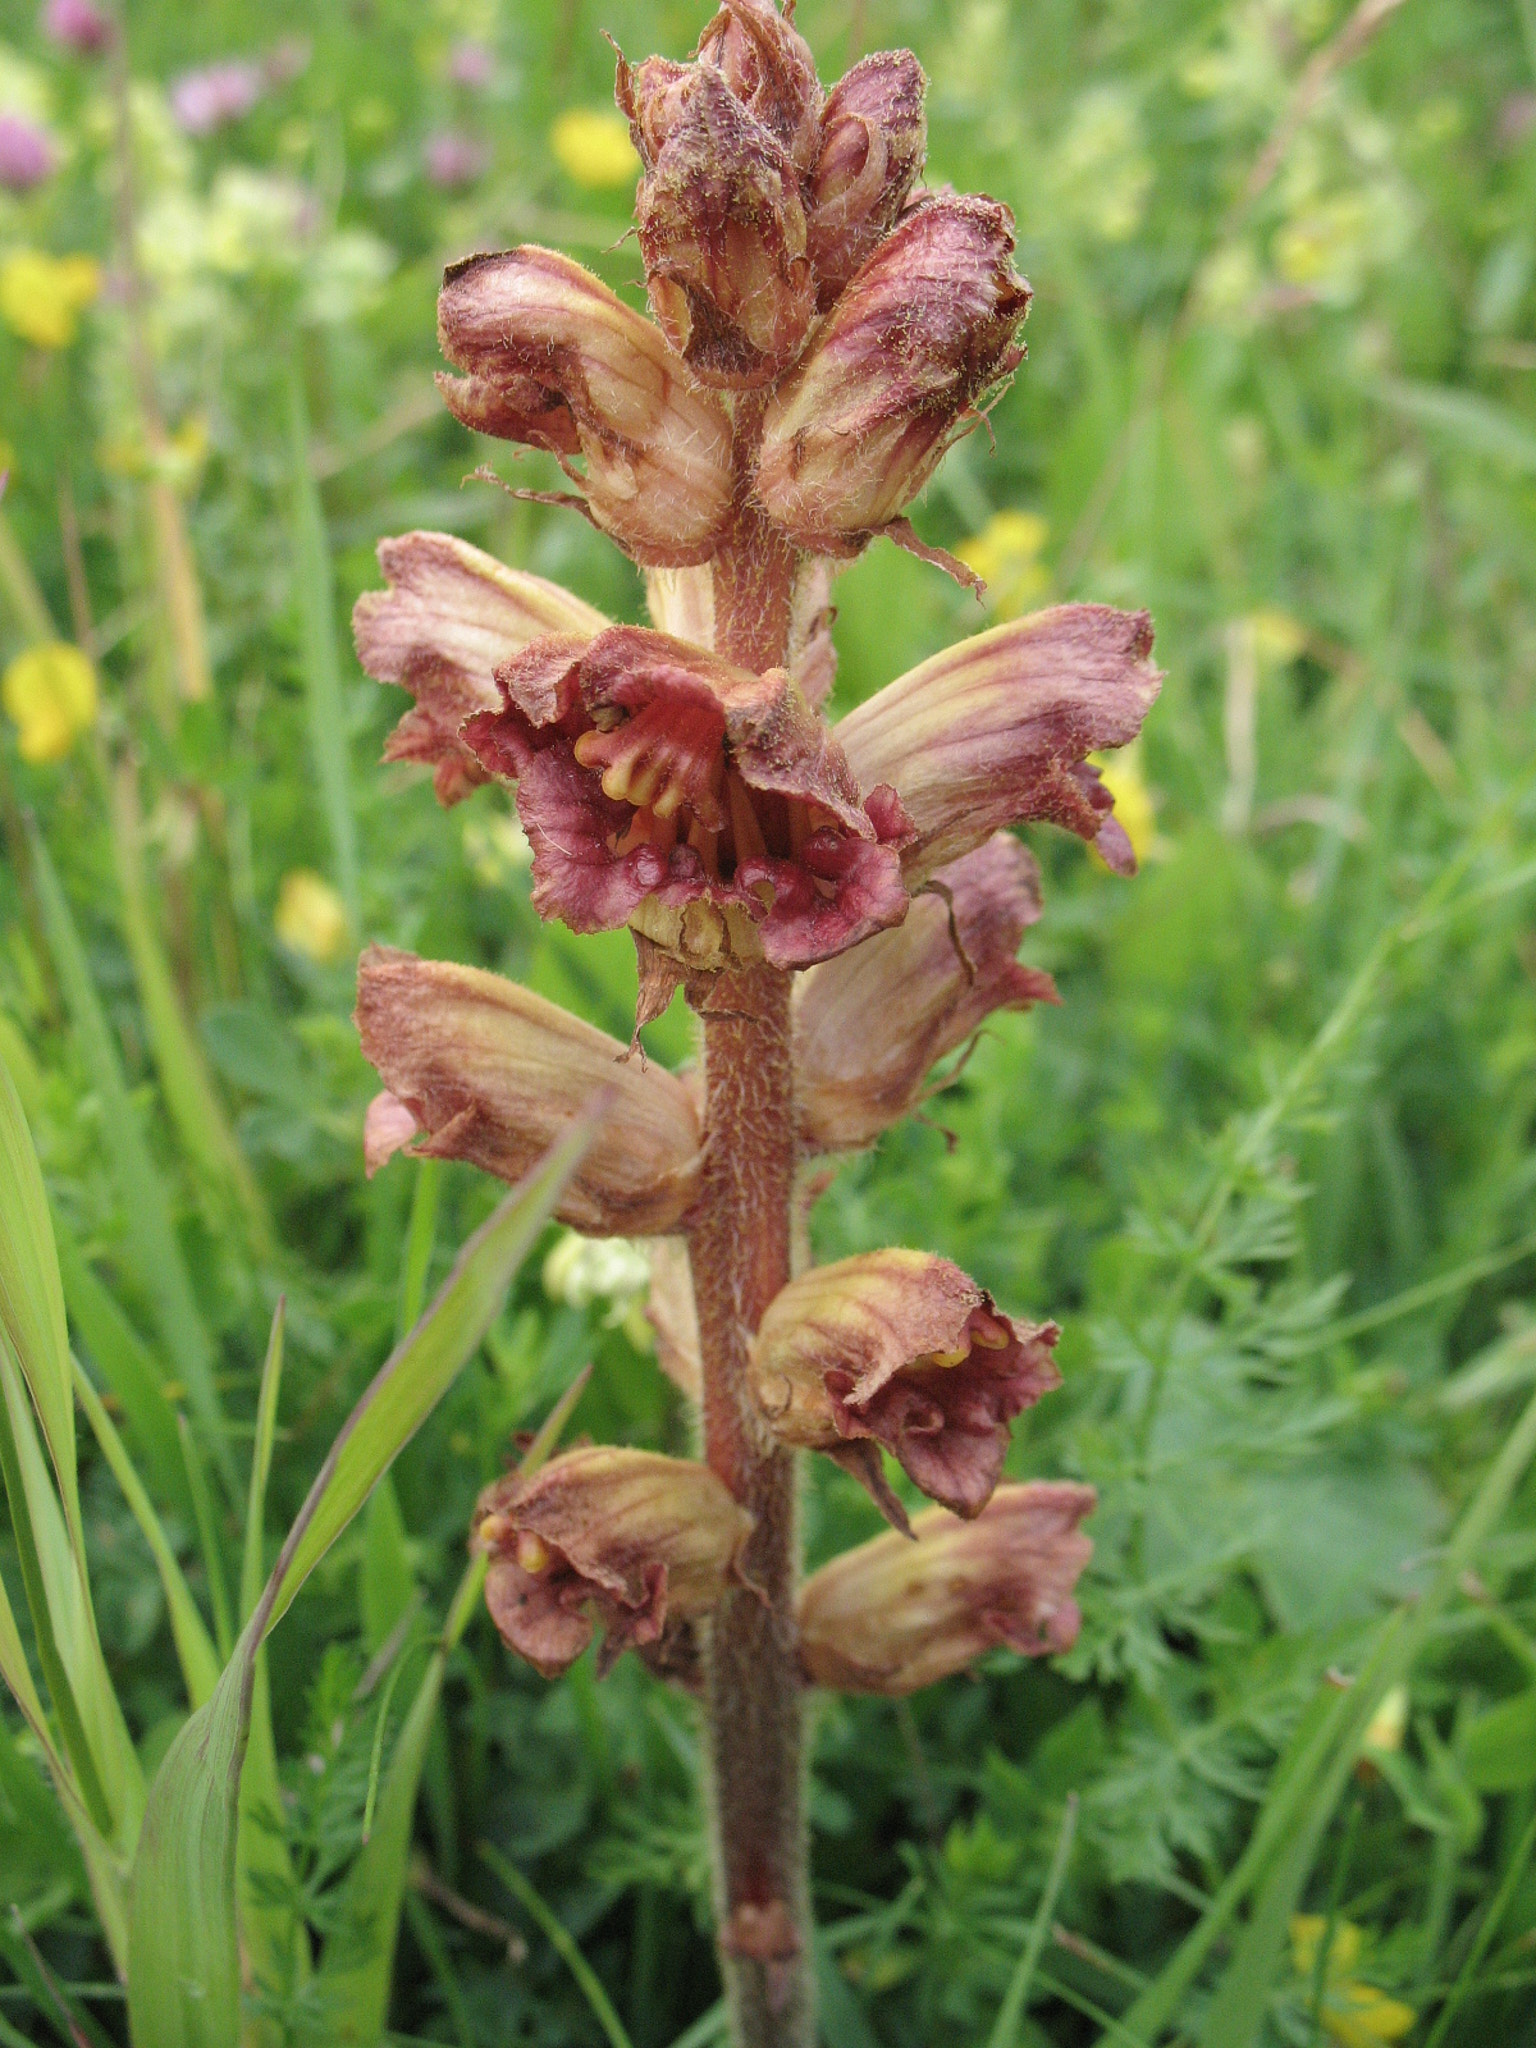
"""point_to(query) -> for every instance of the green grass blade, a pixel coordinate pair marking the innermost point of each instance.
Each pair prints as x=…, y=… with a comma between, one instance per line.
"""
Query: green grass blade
x=152, y=1243
x=420, y=1239
x=316, y=580
x=32, y=1298
x=559, y=1938
x=194, y=1646
x=252, y=1568
x=183, y=1949
x=1462, y=1989
x=1005, y=2032
x=209, y=1543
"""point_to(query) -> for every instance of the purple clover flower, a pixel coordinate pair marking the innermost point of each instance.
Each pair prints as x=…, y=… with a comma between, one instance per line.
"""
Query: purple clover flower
x=454, y=160
x=210, y=98
x=27, y=154
x=77, y=25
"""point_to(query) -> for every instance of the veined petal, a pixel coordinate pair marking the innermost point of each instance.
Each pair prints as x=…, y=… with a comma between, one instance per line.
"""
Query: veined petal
x=892, y=1616
x=637, y=1541
x=997, y=730
x=901, y=1349
x=492, y=1073
x=450, y=618
x=872, y=1023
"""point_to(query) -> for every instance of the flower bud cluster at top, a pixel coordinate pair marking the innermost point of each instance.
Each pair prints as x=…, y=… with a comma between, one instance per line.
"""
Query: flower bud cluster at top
x=823, y=328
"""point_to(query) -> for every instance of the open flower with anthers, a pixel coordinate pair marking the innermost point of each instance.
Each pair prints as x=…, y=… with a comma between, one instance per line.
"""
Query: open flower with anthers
x=901, y=1351
x=842, y=904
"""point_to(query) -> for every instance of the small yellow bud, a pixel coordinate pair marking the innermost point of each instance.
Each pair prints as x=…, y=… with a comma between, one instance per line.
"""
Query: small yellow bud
x=592, y=146
x=310, y=916
x=49, y=694
x=43, y=296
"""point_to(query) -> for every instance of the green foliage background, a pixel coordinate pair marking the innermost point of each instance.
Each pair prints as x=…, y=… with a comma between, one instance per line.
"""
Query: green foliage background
x=1271, y=1163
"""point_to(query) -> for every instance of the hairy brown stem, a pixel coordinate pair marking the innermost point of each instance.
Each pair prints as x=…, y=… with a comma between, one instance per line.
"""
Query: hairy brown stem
x=740, y=1248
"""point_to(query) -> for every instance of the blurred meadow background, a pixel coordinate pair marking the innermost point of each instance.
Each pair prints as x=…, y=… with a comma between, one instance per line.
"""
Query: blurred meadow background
x=1271, y=1164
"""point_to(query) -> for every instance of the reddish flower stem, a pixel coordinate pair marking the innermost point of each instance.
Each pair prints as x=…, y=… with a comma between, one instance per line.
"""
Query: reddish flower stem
x=739, y=1245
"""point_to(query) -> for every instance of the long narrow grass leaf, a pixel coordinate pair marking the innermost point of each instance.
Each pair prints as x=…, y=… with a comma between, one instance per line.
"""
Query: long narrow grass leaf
x=561, y=1940
x=1005, y=2032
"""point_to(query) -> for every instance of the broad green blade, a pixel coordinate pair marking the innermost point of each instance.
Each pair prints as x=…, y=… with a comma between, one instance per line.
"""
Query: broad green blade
x=32, y=1299
x=183, y=1957
x=194, y=1646
x=153, y=1245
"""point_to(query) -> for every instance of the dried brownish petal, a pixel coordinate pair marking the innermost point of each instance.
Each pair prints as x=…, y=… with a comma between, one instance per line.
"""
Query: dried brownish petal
x=997, y=729
x=871, y=1024
x=892, y=1615
x=493, y=1074
x=635, y=1541
x=450, y=617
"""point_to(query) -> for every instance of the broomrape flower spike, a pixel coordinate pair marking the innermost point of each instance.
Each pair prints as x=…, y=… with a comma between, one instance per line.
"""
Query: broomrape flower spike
x=841, y=904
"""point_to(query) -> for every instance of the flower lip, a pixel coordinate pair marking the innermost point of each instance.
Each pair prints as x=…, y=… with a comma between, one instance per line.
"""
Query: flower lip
x=655, y=779
x=639, y=1542
x=995, y=731
x=902, y=1350
x=450, y=616
x=891, y=1616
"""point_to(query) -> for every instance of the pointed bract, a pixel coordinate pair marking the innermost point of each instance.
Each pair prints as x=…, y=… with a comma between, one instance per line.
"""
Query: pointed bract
x=559, y=362
x=450, y=617
x=631, y=1540
x=997, y=729
x=871, y=1024
x=892, y=1615
x=492, y=1074
x=901, y=1349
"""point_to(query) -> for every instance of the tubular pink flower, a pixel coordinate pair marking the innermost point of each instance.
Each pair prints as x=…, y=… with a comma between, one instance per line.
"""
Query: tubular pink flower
x=873, y=140
x=708, y=807
x=892, y=1616
x=641, y=1543
x=997, y=730
x=557, y=361
x=871, y=1024
x=491, y=1073
x=449, y=619
x=900, y=1349
x=768, y=65
x=923, y=331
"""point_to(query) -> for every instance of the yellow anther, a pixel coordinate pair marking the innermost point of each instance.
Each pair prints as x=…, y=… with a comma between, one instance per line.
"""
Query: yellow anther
x=951, y=1357
x=532, y=1556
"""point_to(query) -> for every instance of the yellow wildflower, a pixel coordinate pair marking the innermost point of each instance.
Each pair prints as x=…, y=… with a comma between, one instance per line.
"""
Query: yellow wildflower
x=310, y=917
x=1006, y=556
x=592, y=145
x=1385, y=1730
x=1277, y=637
x=49, y=694
x=1353, y=2014
x=43, y=296
x=1135, y=805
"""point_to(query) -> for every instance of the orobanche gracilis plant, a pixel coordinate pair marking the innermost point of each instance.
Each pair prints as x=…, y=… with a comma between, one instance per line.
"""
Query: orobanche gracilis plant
x=841, y=905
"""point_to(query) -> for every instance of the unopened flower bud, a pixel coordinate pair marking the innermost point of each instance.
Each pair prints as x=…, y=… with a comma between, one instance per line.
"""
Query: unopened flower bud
x=923, y=331
x=997, y=729
x=769, y=67
x=637, y=1542
x=871, y=1024
x=557, y=361
x=491, y=1073
x=900, y=1349
x=873, y=139
x=449, y=619
x=892, y=1616
x=722, y=232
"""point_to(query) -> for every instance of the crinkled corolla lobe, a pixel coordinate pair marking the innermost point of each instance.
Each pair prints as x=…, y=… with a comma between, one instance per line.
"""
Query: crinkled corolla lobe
x=900, y=1349
x=874, y=136
x=557, y=361
x=997, y=729
x=489, y=1072
x=891, y=1616
x=640, y=1543
x=723, y=235
x=924, y=330
x=705, y=806
x=871, y=1024
x=450, y=617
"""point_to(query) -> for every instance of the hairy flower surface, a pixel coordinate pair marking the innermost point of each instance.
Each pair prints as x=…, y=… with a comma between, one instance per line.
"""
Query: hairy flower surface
x=491, y=1073
x=997, y=729
x=892, y=1615
x=869, y=1025
x=873, y=139
x=449, y=619
x=900, y=1349
x=557, y=361
x=708, y=807
x=628, y=1539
